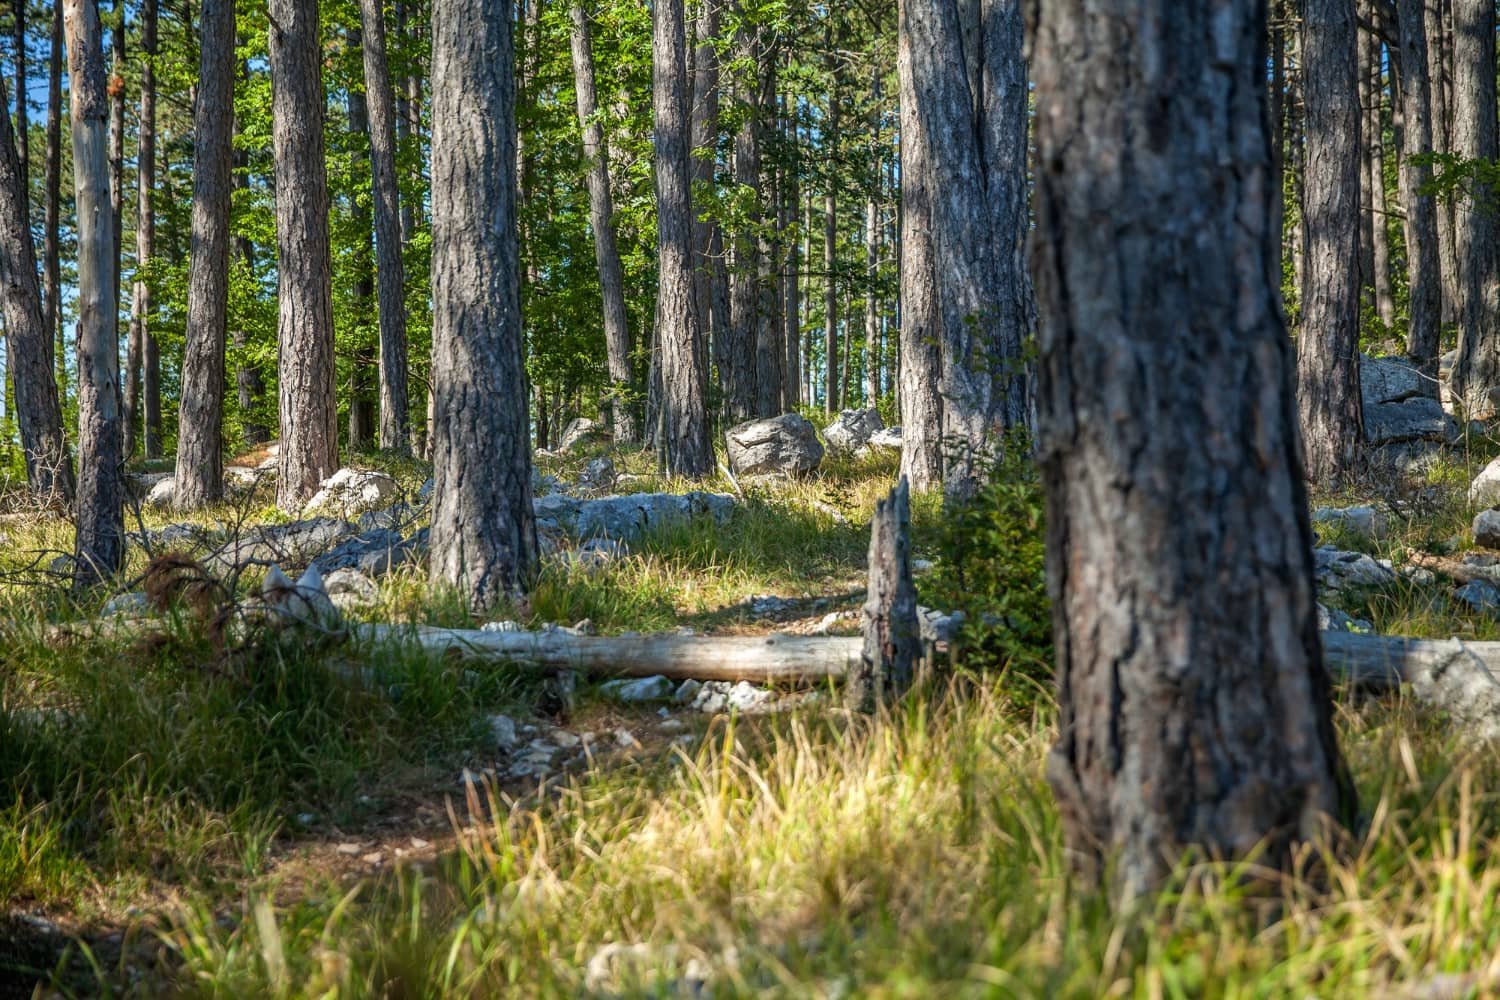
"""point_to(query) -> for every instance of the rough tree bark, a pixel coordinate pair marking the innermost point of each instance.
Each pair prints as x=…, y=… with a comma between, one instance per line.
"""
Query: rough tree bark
x=483, y=529
x=770, y=352
x=602, y=220
x=1440, y=78
x=791, y=307
x=1194, y=710
x=23, y=100
x=964, y=98
x=116, y=89
x=200, y=472
x=364, y=370
x=51, y=246
x=1374, y=180
x=100, y=510
x=145, y=226
x=711, y=273
x=872, y=254
x=49, y=469
x=394, y=430
x=1328, y=345
x=309, y=416
x=1423, y=264
x=681, y=438
x=1476, y=371
x=737, y=362
x=892, y=638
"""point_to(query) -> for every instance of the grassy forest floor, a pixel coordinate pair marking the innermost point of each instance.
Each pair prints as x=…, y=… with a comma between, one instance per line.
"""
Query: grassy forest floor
x=182, y=818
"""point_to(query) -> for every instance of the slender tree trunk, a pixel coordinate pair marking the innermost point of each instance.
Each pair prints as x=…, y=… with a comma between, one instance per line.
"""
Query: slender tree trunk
x=200, y=438
x=250, y=383
x=363, y=374
x=682, y=441
x=1476, y=372
x=1380, y=251
x=309, y=415
x=768, y=347
x=100, y=511
x=1423, y=262
x=791, y=309
x=1440, y=77
x=116, y=88
x=49, y=469
x=1328, y=348
x=394, y=432
x=737, y=363
x=872, y=255
x=145, y=226
x=51, y=244
x=711, y=276
x=830, y=303
x=1194, y=710
x=483, y=531
x=23, y=116
x=602, y=220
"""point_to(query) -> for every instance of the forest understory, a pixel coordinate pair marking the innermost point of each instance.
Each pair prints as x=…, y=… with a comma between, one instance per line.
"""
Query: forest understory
x=245, y=813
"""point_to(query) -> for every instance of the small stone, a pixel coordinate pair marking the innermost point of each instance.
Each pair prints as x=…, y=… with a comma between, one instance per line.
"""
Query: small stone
x=563, y=738
x=825, y=623
x=418, y=844
x=503, y=731
x=1487, y=529
x=349, y=850
x=624, y=740
x=373, y=858
x=671, y=725
x=1479, y=596
x=687, y=691
x=133, y=603
x=638, y=689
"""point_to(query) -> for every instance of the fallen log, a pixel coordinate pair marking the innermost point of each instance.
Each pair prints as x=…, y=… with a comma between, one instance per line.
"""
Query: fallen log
x=768, y=659
x=1451, y=675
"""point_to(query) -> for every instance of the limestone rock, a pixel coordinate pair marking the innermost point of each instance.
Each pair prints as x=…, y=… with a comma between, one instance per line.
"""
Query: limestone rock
x=1366, y=522
x=578, y=431
x=349, y=588
x=786, y=445
x=598, y=476
x=851, y=429
x=1337, y=570
x=351, y=492
x=1484, y=491
x=1487, y=529
x=638, y=689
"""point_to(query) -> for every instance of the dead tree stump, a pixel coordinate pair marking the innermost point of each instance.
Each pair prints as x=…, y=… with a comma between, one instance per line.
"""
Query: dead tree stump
x=893, y=643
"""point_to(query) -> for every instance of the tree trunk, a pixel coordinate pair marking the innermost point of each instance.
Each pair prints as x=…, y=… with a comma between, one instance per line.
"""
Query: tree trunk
x=51, y=245
x=1194, y=711
x=872, y=257
x=250, y=383
x=892, y=637
x=1374, y=135
x=394, y=430
x=1328, y=347
x=738, y=361
x=23, y=100
x=768, y=347
x=116, y=89
x=309, y=415
x=145, y=226
x=49, y=469
x=830, y=302
x=791, y=309
x=200, y=438
x=1476, y=371
x=100, y=512
x=483, y=531
x=682, y=439
x=1423, y=263
x=602, y=220
x=965, y=134
x=711, y=275
x=1440, y=78
x=363, y=372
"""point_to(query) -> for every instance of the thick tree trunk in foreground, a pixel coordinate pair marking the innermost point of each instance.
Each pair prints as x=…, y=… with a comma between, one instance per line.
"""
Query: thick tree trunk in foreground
x=483, y=529
x=1423, y=263
x=602, y=221
x=100, y=548
x=200, y=437
x=1476, y=371
x=1328, y=345
x=391, y=284
x=145, y=227
x=49, y=470
x=682, y=436
x=964, y=150
x=1194, y=711
x=309, y=415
